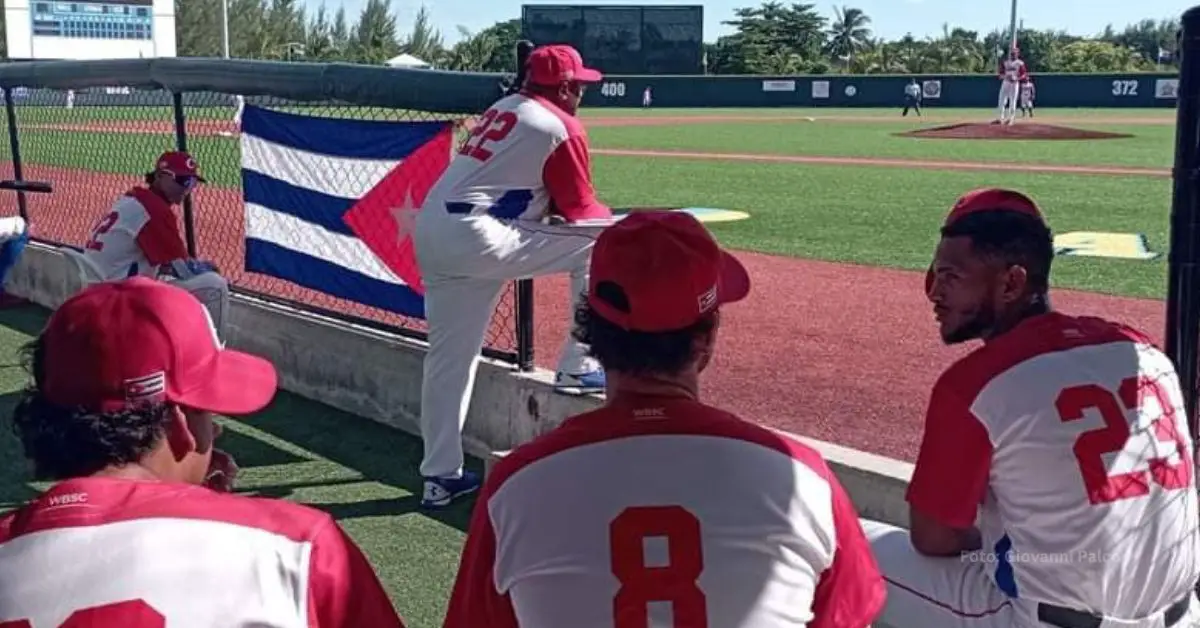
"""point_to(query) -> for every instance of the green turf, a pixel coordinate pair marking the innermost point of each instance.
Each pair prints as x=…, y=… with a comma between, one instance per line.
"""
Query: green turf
x=1151, y=145
x=361, y=472
x=869, y=215
x=931, y=110
x=889, y=216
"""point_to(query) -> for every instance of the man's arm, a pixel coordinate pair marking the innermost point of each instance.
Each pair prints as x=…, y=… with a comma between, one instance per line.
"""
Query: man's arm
x=951, y=477
x=851, y=592
x=568, y=178
x=343, y=590
x=475, y=602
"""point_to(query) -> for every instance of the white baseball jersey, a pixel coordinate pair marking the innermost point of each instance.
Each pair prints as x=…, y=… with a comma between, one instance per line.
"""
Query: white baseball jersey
x=665, y=513
x=1013, y=70
x=134, y=554
x=525, y=159
x=912, y=90
x=1027, y=92
x=139, y=234
x=1065, y=441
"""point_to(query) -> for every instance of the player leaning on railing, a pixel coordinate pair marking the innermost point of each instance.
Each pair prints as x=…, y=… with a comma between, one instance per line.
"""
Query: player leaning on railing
x=140, y=235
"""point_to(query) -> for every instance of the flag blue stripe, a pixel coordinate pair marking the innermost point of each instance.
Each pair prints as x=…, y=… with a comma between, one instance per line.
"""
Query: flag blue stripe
x=338, y=137
x=318, y=274
x=307, y=205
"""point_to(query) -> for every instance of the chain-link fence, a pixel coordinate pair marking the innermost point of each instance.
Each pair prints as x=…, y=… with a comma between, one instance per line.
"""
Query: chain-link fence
x=95, y=142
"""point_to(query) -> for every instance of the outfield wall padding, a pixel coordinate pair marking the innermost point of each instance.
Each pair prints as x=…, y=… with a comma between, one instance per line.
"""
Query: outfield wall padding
x=1140, y=90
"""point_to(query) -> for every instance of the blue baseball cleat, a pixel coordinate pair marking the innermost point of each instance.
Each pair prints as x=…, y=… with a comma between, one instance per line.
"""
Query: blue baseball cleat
x=581, y=384
x=439, y=492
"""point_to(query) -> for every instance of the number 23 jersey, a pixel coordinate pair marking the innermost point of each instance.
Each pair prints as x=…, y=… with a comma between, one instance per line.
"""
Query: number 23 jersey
x=1065, y=441
x=664, y=513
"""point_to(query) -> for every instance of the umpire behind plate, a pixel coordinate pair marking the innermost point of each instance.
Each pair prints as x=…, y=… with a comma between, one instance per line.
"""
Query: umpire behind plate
x=484, y=224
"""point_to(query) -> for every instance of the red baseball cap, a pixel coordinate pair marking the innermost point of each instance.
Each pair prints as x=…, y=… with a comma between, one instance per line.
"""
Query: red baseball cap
x=670, y=268
x=554, y=65
x=120, y=343
x=993, y=199
x=179, y=164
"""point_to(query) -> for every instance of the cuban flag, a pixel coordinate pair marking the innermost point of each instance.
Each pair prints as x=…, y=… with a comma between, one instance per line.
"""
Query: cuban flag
x=330, y=202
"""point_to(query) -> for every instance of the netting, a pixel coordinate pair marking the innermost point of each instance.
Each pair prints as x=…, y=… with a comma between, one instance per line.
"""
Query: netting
x=94, y=144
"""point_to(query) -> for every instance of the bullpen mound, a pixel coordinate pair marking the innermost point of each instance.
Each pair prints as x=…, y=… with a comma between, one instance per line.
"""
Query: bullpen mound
x=1018, y=131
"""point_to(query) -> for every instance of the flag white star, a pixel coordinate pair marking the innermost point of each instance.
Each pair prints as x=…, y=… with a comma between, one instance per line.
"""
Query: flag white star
x=405, y=216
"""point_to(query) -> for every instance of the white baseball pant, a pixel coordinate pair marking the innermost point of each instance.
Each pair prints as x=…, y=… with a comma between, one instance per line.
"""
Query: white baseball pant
x=1008, y=100
x=923, y=591
x=465, y=263
x=212, y=290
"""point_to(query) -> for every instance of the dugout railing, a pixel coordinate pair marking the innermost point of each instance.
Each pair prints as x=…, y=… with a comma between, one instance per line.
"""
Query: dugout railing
x=93, y=128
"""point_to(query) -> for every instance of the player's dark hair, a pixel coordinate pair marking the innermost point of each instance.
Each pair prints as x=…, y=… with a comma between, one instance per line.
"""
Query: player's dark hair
x=635, y=352
x=1010, y=237
x=150, y=177
x=72, y=442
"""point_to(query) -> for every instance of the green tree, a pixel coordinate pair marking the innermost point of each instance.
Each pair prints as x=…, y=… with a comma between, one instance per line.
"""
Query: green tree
x=373, y=38
x=339, y=35
x=775, y=38
x=849, y=34
x=424, y=41
x=198, y=28
x=1097, y=56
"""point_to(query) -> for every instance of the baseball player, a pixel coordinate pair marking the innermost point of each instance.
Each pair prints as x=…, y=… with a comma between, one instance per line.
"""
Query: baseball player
x=486, y=223
x=647, y=97
x=1012, y=73
x=140, y=235
x=912, y=98
x=139, y=529
x=1055, y=482
x=639, y=513
x=1027, y=95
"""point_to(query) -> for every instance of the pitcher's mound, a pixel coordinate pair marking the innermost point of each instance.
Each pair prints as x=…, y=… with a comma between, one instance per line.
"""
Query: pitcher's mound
x=1018, y=131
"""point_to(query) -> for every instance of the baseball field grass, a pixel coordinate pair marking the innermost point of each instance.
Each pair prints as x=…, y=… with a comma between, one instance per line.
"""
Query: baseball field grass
x=876, y=214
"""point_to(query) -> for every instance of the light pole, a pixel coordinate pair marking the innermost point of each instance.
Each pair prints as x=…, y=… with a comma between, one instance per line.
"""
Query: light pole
x=1012, y=27
x=225, y=28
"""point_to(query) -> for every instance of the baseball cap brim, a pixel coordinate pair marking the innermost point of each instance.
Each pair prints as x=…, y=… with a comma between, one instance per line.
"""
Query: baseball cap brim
x=733, y=284
x=237, y=384
x=588, y=75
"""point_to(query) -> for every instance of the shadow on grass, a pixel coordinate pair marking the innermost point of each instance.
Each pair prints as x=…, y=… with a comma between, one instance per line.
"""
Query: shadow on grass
x=27, y=319
x=380, y=453
x=15, y=476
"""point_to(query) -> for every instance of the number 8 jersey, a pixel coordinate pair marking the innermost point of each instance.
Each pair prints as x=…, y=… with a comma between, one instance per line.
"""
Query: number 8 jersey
x=664, y=514
x=1065, y=442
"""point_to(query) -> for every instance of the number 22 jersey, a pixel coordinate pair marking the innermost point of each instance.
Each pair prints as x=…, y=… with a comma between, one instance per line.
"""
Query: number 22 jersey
x=664, y=513
x=1065, y=442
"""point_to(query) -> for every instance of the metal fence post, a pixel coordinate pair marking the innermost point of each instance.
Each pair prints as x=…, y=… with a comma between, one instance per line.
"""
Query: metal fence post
x=189, y=224
x=525, y=324
x=1183, y=283
x=14, y=144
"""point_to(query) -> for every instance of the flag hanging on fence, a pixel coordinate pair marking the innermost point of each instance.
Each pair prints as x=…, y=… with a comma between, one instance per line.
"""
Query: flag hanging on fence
x=329, y=202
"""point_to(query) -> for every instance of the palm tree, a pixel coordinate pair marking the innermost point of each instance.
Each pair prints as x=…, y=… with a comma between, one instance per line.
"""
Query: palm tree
x=849, y=34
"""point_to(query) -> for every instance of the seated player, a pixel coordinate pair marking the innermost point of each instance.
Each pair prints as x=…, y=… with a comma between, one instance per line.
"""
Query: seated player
x=1055, y=484
x=14, y=235
x=659, y=505
x=127, y=377
x=140, y=235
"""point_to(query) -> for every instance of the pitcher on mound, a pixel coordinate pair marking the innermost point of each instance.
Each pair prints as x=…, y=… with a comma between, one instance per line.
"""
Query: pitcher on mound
x=1012, y=73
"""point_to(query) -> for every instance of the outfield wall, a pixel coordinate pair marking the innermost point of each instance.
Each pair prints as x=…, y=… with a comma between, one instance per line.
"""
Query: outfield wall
x=378, y=376
x=957, y=90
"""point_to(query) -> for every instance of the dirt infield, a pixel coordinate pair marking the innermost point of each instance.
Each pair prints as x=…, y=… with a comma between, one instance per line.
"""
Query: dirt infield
x=1022, y=131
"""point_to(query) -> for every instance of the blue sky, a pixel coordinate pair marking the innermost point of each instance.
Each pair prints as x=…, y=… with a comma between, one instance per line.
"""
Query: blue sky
x=891, y=18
